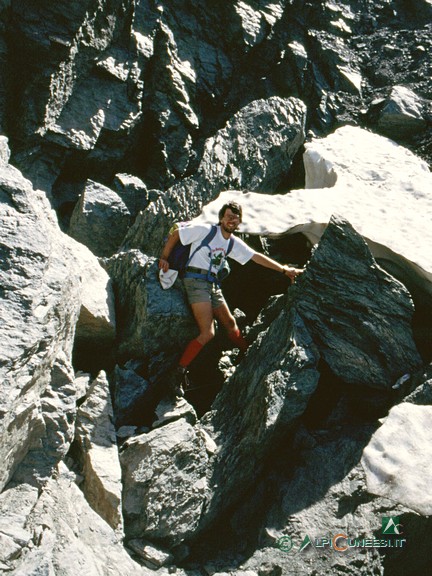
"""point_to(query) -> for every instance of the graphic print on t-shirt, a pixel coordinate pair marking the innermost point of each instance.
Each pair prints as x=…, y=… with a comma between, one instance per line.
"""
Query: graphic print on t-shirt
x=217, y=256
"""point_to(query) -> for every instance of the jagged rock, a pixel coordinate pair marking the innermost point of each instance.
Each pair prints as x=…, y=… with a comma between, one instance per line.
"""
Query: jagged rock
x=358, y=315
x=168, y=410
x=100, y=219
x=153, y=556
x=421, y=386
x=96, y=326
x=150, y=319
x=164, y=479
x=98, y=453
x=400, y=114
x=56, y=425
x=129, y=393
x=397, y=458
x=259, y=405
x=40, y=303
x=133, y=192
x=326, y=495
x=48, y=287
x=240, y=155
x=67, y=533
x=15, y=506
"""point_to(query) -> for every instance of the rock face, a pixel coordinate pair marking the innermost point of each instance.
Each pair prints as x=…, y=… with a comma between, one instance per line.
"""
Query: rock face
x=150, y=319
x=236, y=157
x=40, y=303
x=166, y=465
x=361, y=317
x=100, y=219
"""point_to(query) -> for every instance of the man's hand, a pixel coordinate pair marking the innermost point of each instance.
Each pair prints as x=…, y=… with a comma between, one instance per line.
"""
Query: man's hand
x=292, y=273
x=163, y=264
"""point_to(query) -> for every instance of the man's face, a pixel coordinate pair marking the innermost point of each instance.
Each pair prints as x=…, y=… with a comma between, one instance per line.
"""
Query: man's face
x=230, y=221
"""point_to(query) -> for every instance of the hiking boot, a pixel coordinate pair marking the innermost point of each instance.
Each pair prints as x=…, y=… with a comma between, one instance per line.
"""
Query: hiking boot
x=180, y=381
x=184, y=378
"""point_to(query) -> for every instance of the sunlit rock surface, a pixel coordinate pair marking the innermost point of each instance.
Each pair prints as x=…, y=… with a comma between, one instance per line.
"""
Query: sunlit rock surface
x=397, y=460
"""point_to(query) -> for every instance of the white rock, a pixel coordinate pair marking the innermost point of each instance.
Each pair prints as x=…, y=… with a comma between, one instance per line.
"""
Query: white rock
x=397, y=460
x=96, y=435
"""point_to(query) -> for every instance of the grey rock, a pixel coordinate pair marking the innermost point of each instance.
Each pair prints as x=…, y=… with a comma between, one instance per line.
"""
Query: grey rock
x=358, y=315
x=260, y=404
x=420, y=388
x=164, y=499
x=401, y=113
x=67, y=533
x=100, y=219
x=133, y=192
x=152, y=319
x=153, y=556
x=15, y=506
x=129, y=390
x=169, y=410
x=240, y=155
x=4, y=151
x=40, y=302
x=98, y=453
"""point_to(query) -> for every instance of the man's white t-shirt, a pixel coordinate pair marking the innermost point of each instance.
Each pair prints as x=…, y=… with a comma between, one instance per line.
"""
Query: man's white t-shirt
x=212, y=259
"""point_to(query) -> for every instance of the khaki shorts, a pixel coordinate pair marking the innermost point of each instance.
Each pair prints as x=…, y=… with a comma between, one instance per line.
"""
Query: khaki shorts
x=198, y=291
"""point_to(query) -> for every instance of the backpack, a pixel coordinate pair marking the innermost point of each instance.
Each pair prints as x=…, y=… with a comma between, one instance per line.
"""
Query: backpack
x=181, y=255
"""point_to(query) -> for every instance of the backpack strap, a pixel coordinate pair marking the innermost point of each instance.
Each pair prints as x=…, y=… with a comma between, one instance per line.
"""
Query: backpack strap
x=205, y=242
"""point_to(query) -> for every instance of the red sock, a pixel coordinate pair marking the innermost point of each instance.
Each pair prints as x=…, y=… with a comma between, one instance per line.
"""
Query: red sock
x=192, y=350
x=238, y=340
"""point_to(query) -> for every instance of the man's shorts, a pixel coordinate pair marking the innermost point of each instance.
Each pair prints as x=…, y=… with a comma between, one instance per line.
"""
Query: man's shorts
x=198, y=291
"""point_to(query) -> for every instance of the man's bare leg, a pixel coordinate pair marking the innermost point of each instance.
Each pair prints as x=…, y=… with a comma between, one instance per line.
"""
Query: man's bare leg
x=226, y=319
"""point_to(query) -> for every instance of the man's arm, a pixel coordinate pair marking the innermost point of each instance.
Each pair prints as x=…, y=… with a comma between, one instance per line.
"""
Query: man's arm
x=267, y=262
x=169, y=245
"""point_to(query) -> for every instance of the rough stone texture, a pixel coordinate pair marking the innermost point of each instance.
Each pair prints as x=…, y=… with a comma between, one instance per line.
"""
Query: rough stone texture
x=402, y=113
x=15, y=506
x=96, y=324
x=258, y=405
x=100, y=466
x=100, y=219
x=49, y=286
x=323, y=497
x=164, y=479
x=241, y=155
x=358, y=315
x=40, y=303
x=397, y=458
x=67, y=536
x=150, y=319
x=129, y=391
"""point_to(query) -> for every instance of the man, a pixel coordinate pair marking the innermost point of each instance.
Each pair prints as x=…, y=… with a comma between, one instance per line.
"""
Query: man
x=200, y=281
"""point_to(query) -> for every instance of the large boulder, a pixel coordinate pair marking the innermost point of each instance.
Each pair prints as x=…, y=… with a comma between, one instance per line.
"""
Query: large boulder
x=165, y=484
x=150, y=319
x=358, y=315
x=100, y=219
x=44, y=286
